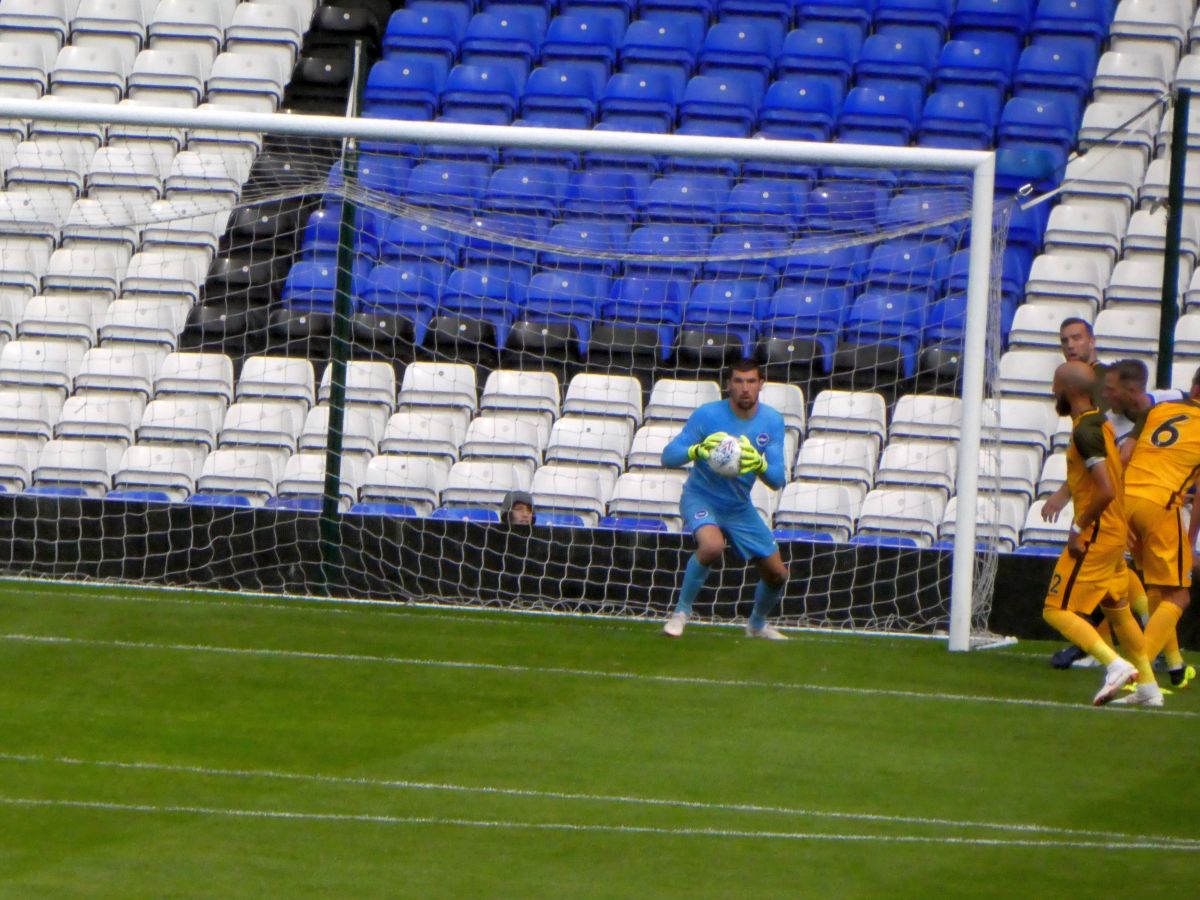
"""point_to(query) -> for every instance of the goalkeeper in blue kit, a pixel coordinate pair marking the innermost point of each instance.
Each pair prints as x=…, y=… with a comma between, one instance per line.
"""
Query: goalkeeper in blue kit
x=718, y=509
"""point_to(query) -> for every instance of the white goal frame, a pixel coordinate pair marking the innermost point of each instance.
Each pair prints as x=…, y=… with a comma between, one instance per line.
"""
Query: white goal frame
x=980, y=165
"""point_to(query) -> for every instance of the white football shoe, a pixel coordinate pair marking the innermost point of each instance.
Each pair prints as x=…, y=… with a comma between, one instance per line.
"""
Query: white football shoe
x=1118, y=674
x=675, y=624
x=767, y=632
x=1145, y=695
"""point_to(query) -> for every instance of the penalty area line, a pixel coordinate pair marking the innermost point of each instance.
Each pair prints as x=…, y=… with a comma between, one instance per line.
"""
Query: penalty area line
x=563, y=671
x=575, y=796
x=579, y=827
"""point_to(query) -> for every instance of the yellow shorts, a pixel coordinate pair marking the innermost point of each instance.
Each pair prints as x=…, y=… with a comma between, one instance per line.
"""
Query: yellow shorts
x=1080, y=584
x=1164, y=554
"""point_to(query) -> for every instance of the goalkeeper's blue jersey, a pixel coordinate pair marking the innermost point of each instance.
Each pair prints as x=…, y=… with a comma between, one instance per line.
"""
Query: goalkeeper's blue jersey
x=765, y=431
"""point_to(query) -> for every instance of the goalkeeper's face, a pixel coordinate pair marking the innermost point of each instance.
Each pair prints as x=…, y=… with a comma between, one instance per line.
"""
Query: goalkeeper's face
x=744, y=388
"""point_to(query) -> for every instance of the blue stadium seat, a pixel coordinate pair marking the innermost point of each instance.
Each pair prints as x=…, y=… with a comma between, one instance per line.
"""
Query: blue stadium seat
x=541, y=154
x=295, y=503
x=55, y=490
x=456, y=186
x=558, y=310
x=909, y=14
x=958, y=117
x=801, y=324
x=602, y=194
x=800, y=108
x=407, y=290
x=421, y=241
x=511, y=39
x=1044, y=70
x=729, y=97
x=384, y=173
x=1014, y=271
x=876, y=115
x=593, y=246
x=719, y=321
x=407, y=89
x=526, y=190
x=885, y=328
x=478, y=305
x=820, y=53
x=857, y=12
x=321, y=232
x=1082, y=23
x=1029, y=122
x=846, y=206
x=667, y=46
x=642, y=167
x=694, y=13
x=999, y=16
x=910, y=265
x=416, y=34
x=983, y=65
x=922, y=207
x=485, y=94
x=224, y=501
x=643, y=314
x=694, y=199
x=311, y=284
x=946, y=321
x=402, y=510
x=634, y=523
x=747, y=46
x=639, y=103
x=132, y=496
x=889, y=58
x=559, y=520
x=766, y=203
x=814, y=261
x=666, y=251
x=459, y=11
x=731, y=256
x=1027, y=225
x=560, y=97
x=465, y=514
x=583, y=39
x=540, y=10
x=803, y=535
x=505, y=239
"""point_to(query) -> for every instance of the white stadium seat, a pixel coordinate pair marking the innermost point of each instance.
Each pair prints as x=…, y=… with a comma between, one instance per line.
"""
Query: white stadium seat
x=674, y=400
x=993, y=522
x=912, y=514
x=29, y=412
x=248, y=82
x=1147, y=234
x=1138, y=282
x=503, y=438
x=74, y=463
x=241, y=470
x=590, y=394
x=1112, y=177
x=1113, y=123
x=106, y=416
x=168, y=77
x=859, y=412
x=1053, y=475
x=201, y=374
x=159, y=467
x=41, y=363
x=23, y=70
x=145, y=320
x=829, y=457
x=416, y=480
x=182, y=420
x=1086, y=228
x=263, y=424
x=304, y=476
x=361, y=429
x=927, y=416
x=439, y=384
x=645, y=451
x=1012, y=469
x=573, y=490
x=647, y=494
x=820, y=506
x=1027, y=372
x=89, y=268
x=477, y=482
x=1127, y=332
x=67, y=317
x=598, y=440
x=89, y=74
x=367, y=382
x=509, y=389
x=196, y=26
x=119, y=368
x=915, y=463
x=1024, y=420
x=427, y=431
x=277, y=378
x=1070, y=280
x=18, y=457
x=788, y=400
x=1036, y=531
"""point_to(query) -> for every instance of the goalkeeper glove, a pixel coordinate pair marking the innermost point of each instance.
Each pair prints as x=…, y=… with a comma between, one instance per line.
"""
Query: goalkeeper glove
x=752, y=460
x=706, y=446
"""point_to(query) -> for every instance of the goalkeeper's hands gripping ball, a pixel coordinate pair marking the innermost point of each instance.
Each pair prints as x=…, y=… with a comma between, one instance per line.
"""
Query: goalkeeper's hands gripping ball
x=706, y=446
x=752, y=459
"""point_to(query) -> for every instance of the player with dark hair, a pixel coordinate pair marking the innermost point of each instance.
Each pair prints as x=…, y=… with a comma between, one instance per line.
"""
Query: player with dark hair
x=1128, y=400
x=718, y=509
x=1091, y=570
x=1162, y=469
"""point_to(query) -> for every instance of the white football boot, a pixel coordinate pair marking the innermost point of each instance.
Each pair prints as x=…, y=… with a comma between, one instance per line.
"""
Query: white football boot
x=1118, y=674
x=1145, y=695
x=767, y=632
x=675, y=624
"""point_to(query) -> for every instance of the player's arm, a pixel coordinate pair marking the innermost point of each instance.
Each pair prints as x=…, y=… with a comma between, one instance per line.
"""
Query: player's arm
x=1194, y=522
x=1129, y=442
x=1056, y=503
x=775, y=474
x=1090, y=444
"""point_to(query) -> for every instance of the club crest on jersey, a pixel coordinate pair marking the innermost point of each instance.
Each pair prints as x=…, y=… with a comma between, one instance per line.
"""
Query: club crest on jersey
x=701, y=514
x=763, y=439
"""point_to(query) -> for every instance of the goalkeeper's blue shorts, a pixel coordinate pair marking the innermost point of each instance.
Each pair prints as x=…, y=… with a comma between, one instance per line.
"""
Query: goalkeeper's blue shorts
x=743, y=527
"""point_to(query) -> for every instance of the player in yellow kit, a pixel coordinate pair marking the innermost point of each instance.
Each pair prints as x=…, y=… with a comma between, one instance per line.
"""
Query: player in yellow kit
x=1161, y=470
x=1091, y=570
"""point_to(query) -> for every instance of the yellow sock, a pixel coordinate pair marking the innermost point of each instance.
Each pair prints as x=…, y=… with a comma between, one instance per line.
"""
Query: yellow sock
x=1129, y=633
x=1139, y=602
x=1079, y=632
x=1105, y=632
x=1161, y=628
x=1170, y=649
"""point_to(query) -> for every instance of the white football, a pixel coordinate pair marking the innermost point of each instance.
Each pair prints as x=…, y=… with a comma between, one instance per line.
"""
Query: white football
x=726, y=458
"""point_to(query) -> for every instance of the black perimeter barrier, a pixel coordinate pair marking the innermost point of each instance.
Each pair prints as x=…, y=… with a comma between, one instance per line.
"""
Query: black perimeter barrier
x=390, y=558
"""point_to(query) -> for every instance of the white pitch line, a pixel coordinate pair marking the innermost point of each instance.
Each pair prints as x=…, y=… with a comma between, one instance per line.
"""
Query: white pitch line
x=657, y=802
x=367, y=818
x=266, y=652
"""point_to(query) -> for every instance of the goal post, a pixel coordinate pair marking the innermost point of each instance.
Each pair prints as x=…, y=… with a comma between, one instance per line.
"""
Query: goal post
x=980, y=229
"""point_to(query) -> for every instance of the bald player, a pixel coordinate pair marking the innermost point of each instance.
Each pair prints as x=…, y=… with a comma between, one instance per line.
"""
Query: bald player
x=1091, y=571
x=1162, y=469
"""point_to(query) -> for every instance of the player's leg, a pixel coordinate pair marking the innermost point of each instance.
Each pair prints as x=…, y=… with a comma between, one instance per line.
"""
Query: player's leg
x=772, y=576
x=1167, y=558
x=710, y=544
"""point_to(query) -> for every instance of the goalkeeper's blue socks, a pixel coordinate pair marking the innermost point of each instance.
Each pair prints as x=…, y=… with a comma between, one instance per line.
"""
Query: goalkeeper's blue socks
x=766, y=598
x=694, y=577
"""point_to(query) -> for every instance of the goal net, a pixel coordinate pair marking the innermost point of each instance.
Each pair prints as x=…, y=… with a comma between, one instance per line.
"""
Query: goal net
x=316, y=356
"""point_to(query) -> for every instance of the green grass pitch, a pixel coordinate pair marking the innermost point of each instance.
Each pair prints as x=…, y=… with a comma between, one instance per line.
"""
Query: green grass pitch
x=178, y=744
